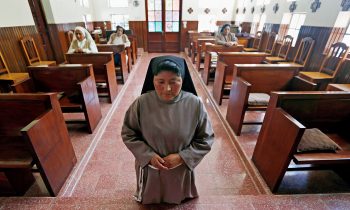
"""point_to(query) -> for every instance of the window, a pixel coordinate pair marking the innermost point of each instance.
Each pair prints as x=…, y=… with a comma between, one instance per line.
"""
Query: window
x=207, y=23
x=118, y=3
x=296, y=22
x=155, y=16
x=84, y=3
x=172, y=16
x=340, y=31
x=120, y=20
x=291, y=23
x=255, y=24
x=262, y=22
x=240, y=3
x=86, y=19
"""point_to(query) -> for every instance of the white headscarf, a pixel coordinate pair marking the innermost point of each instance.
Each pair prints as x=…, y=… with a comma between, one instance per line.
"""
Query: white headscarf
x=87, y=35
x=87, y=44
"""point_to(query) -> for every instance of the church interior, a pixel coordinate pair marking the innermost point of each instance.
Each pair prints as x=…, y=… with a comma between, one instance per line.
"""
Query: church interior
x=278, y=100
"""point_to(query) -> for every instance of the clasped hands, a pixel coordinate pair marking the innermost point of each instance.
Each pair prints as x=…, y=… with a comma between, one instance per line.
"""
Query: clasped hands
x=79, y=50
x=229, y=44
x=166, y=163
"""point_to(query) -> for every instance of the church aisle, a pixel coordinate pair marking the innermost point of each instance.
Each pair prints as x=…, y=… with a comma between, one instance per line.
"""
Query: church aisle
x=225, y=179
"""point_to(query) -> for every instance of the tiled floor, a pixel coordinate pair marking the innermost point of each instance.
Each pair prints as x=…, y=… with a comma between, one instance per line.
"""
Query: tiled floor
x=104, y=177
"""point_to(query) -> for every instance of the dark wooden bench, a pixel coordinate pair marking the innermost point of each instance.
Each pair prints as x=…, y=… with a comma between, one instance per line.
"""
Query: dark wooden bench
x=124, y=52
x=195, y=46
x=287, y=116
x=33, y=132
x=260, y=78
x=7, y=78
x=224, y=69
x=201, y=49
x=104, y=70
x=213, y=48
x=76, y=86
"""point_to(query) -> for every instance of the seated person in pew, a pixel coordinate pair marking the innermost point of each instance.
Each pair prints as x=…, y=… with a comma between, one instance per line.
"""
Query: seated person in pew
x=168, y=131
x=82, y=42
x=225, y=37
x=119, y=38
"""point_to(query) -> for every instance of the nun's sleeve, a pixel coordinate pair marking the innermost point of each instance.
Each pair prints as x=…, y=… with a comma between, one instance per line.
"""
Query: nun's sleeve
x=92, y=48
x=71, y=49
x=132, y=136
x=201, y=142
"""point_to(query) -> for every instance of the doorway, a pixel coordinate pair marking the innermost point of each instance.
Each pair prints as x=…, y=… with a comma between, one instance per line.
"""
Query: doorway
x=163, y=25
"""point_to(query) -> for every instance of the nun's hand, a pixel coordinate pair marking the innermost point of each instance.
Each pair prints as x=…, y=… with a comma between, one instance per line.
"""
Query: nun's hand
x=158, y=162
x=173, y=160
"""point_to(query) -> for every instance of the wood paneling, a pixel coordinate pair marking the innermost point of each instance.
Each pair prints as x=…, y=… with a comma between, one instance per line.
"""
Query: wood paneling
x=140, y=31
x=11, y=48
x=58, y=34
x=320, y=35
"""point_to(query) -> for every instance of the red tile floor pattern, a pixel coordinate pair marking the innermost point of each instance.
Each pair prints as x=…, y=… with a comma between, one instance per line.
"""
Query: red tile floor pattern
x=104, y=177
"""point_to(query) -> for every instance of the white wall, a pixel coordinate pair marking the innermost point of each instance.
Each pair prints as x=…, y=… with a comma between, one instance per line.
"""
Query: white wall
x=102, y=11
x=215, y=7
x=15, y=13
x=325, y=16
x=66, y=11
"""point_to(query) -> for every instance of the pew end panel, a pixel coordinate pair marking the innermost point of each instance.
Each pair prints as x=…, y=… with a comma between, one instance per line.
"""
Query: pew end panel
x=238, y=101
x=104, y=69
x=218, y=87
x=40, y=134
x=325, y=110
x=91, y=105
x=52, y=148
x=273, y=159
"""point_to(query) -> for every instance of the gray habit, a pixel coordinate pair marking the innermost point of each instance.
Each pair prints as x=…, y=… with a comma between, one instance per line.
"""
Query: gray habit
x=152, y=126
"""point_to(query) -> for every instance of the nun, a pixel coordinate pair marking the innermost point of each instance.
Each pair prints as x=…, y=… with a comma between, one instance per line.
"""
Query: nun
x=168, y=131
x=225, y=37
x=82, y=42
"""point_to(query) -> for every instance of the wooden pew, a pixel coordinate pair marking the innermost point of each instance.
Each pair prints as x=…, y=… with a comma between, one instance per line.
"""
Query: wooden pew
x=261, y=79
x=224, y=69
x=76, y=84
x=192, y=35
x=124, y=53
x=338, y=87
x=196, y=44
x=133, y=48
x=201, y=49
x=37, y=135
x=7, y=78
x=104, y=69
x=213, y=48
x=287, y=116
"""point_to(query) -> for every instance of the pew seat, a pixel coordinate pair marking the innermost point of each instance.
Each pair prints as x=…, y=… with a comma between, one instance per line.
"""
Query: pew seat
x=76, y=86
x=38, y=141
x=104, y=70
x=338, y=87
x=287, y=117
x=259, y=80
x=224, y=69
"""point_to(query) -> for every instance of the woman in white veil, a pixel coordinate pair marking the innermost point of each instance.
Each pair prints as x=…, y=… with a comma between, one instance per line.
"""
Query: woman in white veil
x=82, y=42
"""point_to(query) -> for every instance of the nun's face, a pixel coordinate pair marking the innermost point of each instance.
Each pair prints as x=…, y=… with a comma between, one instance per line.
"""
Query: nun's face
x=167, y=85
x=80, y=36
x=120, y=31
x=226, y=30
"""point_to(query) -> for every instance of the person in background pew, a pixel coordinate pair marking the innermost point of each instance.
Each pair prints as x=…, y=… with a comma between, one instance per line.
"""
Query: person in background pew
x=225, y=37
x=82, y=42
x=168, y=131
x=119, y=38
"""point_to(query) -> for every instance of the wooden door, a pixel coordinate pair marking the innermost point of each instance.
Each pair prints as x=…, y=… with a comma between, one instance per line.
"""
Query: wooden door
x=163, y=25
